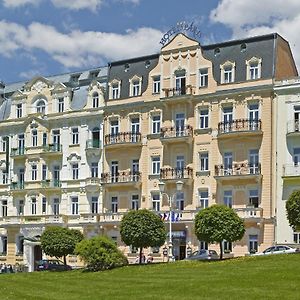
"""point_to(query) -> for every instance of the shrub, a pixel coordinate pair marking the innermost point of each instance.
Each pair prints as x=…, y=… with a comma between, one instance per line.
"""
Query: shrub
x=100, y=253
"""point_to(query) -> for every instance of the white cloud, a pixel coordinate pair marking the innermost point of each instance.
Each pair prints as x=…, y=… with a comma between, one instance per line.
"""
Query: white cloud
x=77, y=48
x=16, y=3
x=250, y=18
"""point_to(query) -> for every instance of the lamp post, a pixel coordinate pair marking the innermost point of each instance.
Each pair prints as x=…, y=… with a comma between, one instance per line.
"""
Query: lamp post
x=161, y=185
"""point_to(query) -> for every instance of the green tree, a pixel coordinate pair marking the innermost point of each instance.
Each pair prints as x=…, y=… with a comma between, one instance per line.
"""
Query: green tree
x=142, y=229
x=59, y=241
x=293, y=210
x=218, y=223
x=100, y=253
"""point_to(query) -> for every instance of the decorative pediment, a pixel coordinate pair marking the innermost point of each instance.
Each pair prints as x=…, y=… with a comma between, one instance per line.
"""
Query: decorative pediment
x=38, y=84
x=178, y=42
x=59, y=88
x=94, y=84
x=74, y=158
x=115, y=81
x=135, y=78
x=227, y=63
x=17, y=95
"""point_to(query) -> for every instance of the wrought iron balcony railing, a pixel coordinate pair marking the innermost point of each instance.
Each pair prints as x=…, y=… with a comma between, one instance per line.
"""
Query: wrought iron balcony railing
x=17, y=186
x=51, y=183
x=121, y=177
x=52, y=148
x=239, y=125
x=176, y=132
x=123, y=137
x=17, y=151
x=176, y=173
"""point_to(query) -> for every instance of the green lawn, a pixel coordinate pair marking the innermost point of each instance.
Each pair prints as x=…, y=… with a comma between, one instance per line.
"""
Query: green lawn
x=273, y=277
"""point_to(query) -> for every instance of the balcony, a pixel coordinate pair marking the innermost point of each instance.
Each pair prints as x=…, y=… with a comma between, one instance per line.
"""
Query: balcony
x=51, y=184
x=293, y=128
x=291, y=171
x=238, y=171
x=240, y=126
x=18, y=152
x=88, y=218
x=177, y=92
x=93, y=147
x=176, y=173
x=176, y=134
x=128, y=138
x=31, y=220
x=92, y=184
x=17, y=186
x=110, y=217
x=52, y=149
x=121, y=178
x=250, y=213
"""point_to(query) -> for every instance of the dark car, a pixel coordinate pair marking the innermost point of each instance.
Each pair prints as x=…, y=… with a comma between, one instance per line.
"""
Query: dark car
x=51, y=265
x=204, y=255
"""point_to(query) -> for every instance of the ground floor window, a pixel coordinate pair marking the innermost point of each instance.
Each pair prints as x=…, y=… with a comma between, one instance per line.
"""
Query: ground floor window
x=227, y=247
x=203, y=245
x=3, y=245
x=297, y=237
x=253, y=243
x=155, y=249
x=20, y=245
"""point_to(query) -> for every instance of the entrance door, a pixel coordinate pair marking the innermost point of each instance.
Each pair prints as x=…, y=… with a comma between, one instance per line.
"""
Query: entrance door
x=37, y=252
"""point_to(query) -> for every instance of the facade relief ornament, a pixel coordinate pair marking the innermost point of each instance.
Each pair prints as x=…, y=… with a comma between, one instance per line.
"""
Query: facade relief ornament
x=39, y=86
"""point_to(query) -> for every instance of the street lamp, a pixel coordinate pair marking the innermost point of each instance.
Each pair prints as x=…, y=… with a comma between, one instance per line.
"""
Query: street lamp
x=161, y=185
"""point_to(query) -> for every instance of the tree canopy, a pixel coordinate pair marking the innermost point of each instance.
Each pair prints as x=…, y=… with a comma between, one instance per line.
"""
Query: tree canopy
x=142, y=229
x=293, y=210
x=59, y=241
x=218, y=223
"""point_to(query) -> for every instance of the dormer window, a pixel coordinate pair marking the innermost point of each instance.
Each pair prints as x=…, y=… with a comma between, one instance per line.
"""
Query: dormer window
x=61, y=104
x=114, y=89
x=75, y=78
x=19, y=112
x=95, y=100
x=228, y=72
x=135, y=86
x=253, y=68
x=94, y=74
x=41, y=106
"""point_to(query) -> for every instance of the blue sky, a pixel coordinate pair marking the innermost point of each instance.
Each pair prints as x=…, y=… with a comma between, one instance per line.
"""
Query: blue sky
x=47, y=37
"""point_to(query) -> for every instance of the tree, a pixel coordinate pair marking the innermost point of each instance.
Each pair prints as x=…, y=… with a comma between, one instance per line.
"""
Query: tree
x=293, y=210
x=59, y=241
x=218, y=223
x=142, y=229
x=100, y=253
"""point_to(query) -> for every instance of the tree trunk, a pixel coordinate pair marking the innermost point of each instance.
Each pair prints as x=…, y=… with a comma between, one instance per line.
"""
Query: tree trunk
x=221, y=250
x=65, y=260
x=141, y=255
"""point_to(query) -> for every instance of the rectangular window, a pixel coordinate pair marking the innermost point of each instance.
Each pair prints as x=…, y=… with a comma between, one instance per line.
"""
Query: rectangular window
x=254, y=70
x=4, y=143
x=34, y=138
x=74, y=205
x=19, y=110
x=75, y=136
x=94, y=207
x=114, y=131
x=180, y=200
x=227, y=160
x=44, y=172
x=203, y=199
x=4, y=208
x=254, y=161
x=75, y=171
x=227, y=246
x=3, y=245
x=156, y=202
x=21, y=208
x=296, y=156
x=203, y=76
x=155, y=124
x=33, y=172
x=33, y=206
x=61, y=105
x=56, y=137
x=203, y=122
x=156, y=85
x=95, y=100
x=94, y=169
x=135, y=88
x=253, y=243
x=155, y=165
x=114, y=167
x=135, y=202
x=20, y=245
x=253, y=198
x=115, y=91
x=114, y=204
x=44, y=205
x=228, y=74
x=56, y=206
x=228, y=198
x=180, y=124
x=4, y=178
x=45, y=138
x=204, y=162
x=297, y=237
x=203, y=245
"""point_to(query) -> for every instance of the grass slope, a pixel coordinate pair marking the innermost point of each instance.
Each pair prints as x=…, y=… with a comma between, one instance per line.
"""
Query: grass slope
x=273, y=277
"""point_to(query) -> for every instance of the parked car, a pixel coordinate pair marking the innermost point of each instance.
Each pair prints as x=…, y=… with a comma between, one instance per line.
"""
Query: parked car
x=278, y=249
x=51, y=265
x=203, y=255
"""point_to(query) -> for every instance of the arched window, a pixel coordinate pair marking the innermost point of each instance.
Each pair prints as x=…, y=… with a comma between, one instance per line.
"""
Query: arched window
x=41, y=106
x=95, y=100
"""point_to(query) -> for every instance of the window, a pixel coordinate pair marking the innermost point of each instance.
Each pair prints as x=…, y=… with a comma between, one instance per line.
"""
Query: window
x=203, y=76
x=254, y=161
x=155, y=165
x=227, y=72
x=56, y=137
x=135, y=129
x=34, y=138
x=114, y=204
x=203, y=121
x=95, y=100
x=45, y=138
x=3, y=244
x=156, y=85
x=297, y=237
x=253, y=243
x=74, y=205
x=75, y=136
x=19, y=110
x=180, y=124
x=33, y=206
x=44, y=205
x=180, y=200
x=156, y=202
x=115, y=90
x=34, y=172
x=155, y=124
x=253, y=68
x=203, y=245
x=61, y=105
x=227, y=160
x=56, y=206
x=227, y=246
x=4, y=208
x=44, y=172
x=180, y=82
x=296, y=118
x=21, y=208
x=20, y=245
x=94, y=169
x=75, y=171
x=4, y=177
x=135, y=168
x=228, y=198
x=4, y=143
x=135, y=202
x=253, y=197
x=204, y=162
x=114, y=167
x=41, y=106
x=296, y=156
x=135, y=88
x=94, y=207
x=253, y=111
x=203, y=199
x=114, y=131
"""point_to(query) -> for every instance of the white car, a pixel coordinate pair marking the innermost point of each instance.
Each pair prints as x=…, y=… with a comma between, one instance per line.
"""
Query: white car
x=279, y=249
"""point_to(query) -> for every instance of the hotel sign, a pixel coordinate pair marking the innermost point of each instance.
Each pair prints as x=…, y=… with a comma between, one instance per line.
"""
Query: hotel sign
x=183, y=27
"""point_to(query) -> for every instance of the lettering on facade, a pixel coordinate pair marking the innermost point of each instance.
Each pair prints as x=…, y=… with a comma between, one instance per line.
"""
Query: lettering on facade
x=183, y=27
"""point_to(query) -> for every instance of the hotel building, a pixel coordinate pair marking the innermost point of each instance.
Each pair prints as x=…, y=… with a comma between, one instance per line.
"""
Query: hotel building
x=203, y=115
